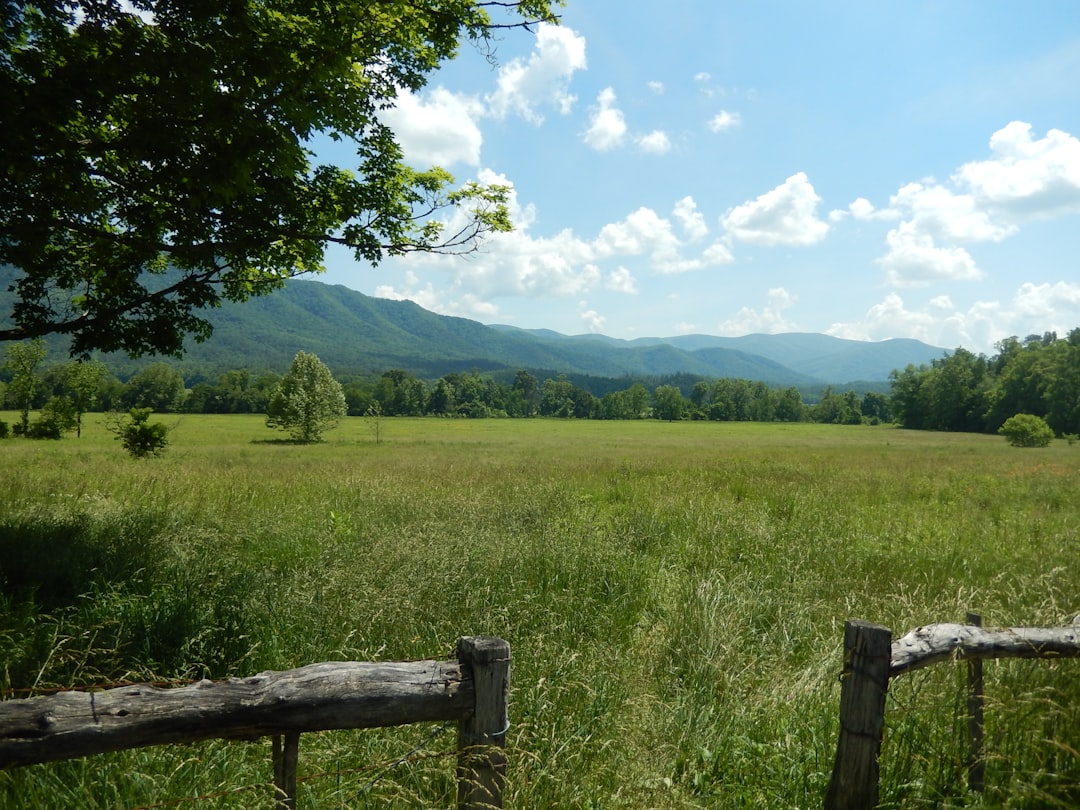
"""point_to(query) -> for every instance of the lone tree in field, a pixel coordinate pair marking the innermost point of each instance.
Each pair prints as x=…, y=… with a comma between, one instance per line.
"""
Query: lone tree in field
x=157, y=155
x=308, y=401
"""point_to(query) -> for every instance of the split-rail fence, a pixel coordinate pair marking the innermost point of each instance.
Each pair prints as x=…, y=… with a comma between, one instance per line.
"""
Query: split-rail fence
x=335, y=695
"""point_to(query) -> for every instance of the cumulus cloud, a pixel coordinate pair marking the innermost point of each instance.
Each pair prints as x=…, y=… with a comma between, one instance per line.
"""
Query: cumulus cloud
x=544, y=78
x=1026, y=178
x=1058, y=302
x=656, y=87
x=645, y=232
x=621, y=280
x=692, y=220
x=862, y=209
x=592, y=319
x=787, y=215
x=656, y=142
x=915, y=260
x=607, y=126
x=984, y=201
x=769, y=319
x=724, y=120
x=948, y=215
x=890, y=318
x=521, y=264
x=717, y=253
x=438, y=128
x=1034, y=308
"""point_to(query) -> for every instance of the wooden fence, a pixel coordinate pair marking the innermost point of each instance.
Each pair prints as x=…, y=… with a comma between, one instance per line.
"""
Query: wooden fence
x=472, y=690
x=871, y=658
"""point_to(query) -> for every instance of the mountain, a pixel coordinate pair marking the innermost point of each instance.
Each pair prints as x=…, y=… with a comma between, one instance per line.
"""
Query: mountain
x=356, y=334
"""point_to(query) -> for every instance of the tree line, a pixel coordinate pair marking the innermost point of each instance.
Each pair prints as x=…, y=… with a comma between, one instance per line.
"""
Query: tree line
x=1039, y=376
x=962, y=391
x=63, y=392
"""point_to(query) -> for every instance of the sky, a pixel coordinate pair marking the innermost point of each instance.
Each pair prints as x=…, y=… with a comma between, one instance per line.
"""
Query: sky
x=864, y=170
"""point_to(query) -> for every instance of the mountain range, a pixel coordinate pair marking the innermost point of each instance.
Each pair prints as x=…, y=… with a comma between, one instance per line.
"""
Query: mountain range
x=357, y=334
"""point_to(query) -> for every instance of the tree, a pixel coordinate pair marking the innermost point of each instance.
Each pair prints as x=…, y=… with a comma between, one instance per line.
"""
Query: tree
x=157, y=155
x=668, y=403
x=159, y=387
x=308, y=401
x=82, y=379
x=23, y=360
x=1026, y=430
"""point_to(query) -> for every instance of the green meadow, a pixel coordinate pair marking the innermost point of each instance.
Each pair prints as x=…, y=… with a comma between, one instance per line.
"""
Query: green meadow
x=673, y=593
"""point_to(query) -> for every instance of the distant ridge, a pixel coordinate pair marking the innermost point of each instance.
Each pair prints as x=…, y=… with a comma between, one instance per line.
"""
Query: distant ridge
x=357, y=334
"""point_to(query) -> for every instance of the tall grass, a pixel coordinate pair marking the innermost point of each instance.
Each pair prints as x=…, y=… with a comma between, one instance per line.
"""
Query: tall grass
x=674, y=596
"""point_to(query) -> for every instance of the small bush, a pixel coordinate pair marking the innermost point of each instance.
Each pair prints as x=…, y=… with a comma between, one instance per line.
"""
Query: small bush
x=57, y=418
x=5, y=431
x=1026, y=430
x=139, y=437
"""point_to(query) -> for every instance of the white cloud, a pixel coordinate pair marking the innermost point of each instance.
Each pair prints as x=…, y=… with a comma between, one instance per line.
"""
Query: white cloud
x=1060, y=302
x=890, y=319
x=543, y=79
x=862, y=209
x=769, y=319
x=621, y=280
x=724, y=120
x=717, y=253
x=915, y=260
x=656, y=87
x=644, y=232
x=692, y=220
x=787, y=215
x=592, y=319
x=1033, y=309
x=947, y=215
x=607, y=127
x=1026, y=178
x=655, y=142
x=521, y=264
x=437, y=129
x=987, y=201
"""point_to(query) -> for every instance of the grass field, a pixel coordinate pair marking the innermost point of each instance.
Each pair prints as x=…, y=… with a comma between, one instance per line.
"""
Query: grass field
x=674, y=595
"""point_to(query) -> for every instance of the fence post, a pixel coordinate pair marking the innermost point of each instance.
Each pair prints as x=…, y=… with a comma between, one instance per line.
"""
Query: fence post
x=865, y=681
x=482, y=736
x=976, y=764
x=285, y=751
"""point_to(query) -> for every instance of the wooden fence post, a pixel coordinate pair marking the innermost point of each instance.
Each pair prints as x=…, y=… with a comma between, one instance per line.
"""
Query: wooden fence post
x=482, y=736
x=854, y=782
x=976, y=763
x=286, y=751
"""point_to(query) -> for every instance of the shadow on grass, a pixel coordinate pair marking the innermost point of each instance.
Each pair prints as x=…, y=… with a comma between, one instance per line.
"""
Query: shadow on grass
x=283, y=442
x=53, y=559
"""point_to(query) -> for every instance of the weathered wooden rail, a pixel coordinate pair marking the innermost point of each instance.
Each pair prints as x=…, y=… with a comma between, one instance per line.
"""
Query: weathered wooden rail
x=871, y=658
x=320, y=697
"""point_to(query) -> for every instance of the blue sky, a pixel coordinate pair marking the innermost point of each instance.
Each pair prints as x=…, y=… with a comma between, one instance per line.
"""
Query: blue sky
x=865, y=170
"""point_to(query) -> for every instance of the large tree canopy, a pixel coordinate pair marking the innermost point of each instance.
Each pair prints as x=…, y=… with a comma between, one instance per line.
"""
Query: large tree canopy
x=157, y=154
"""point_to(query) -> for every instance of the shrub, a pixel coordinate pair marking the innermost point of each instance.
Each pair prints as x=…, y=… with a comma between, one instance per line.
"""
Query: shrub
x=5, y=431
x=1026, y=430
x=57, y=418
x=139, y=437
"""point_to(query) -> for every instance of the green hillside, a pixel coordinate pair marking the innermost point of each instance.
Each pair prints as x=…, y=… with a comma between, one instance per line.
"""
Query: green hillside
x=357, y=334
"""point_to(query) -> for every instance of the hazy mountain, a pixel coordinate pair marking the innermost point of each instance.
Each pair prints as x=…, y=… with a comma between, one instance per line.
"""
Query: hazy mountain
x=355, y=333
